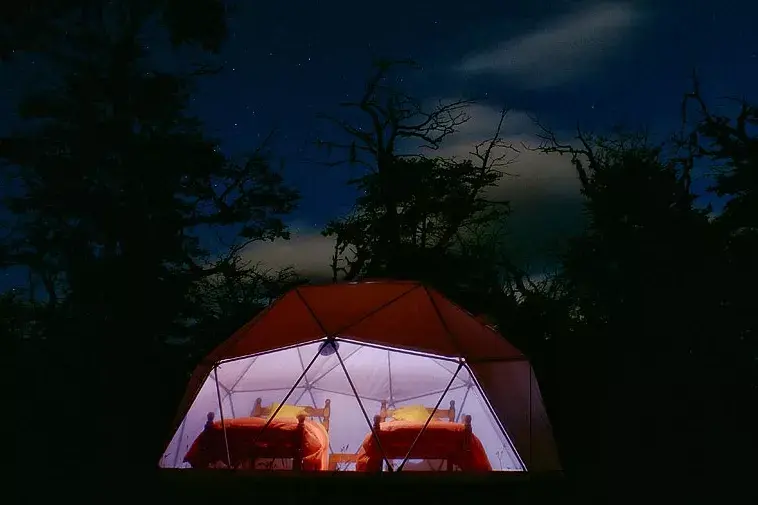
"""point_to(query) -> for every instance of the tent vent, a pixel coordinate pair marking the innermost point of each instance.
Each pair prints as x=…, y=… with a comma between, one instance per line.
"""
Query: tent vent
x=328, y=348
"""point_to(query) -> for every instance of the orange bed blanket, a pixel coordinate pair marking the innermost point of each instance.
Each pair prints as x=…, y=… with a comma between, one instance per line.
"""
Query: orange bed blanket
x=275, y=442
x=440, y=440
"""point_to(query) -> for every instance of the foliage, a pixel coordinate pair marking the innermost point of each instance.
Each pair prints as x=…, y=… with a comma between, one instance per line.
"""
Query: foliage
x=115, y=183
x=416, y=217
x=654, y=298
x=117, y=180
x=225, y=302
x=45, y=26
x=731, y=146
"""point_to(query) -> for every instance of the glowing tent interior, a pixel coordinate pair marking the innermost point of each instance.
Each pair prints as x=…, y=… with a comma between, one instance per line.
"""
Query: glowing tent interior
x=363, y=377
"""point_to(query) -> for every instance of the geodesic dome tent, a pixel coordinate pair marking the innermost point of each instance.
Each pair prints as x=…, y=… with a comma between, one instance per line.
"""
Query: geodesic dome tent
x=354, y=356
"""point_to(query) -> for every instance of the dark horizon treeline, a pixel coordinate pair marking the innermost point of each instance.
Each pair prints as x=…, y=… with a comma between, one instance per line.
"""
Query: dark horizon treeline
x=644, y=340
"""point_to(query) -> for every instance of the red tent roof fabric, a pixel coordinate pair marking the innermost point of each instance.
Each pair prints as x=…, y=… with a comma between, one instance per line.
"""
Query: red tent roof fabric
x=407, y=315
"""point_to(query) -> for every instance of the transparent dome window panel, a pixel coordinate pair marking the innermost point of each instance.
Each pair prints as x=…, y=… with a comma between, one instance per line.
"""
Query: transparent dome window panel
x=467, y=399
x=192, y=425
x=375, y=376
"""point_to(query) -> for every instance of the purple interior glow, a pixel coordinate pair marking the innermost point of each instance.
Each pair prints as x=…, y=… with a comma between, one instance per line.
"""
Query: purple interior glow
x=377, y=374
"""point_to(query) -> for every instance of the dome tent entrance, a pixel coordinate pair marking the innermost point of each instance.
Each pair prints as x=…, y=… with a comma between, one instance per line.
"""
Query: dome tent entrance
x=363, y=348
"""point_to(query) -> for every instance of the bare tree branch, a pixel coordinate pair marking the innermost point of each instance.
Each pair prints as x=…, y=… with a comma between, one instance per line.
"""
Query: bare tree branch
x=496, y=142
x=393, y=116
x=488, y=171
x=550, y=144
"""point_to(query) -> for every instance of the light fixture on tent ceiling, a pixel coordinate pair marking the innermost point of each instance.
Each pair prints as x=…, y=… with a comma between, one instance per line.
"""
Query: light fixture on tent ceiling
x=329, y=347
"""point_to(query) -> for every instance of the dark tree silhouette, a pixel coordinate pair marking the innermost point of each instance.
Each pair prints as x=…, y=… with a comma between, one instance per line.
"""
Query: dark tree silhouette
x=629, y=281
x=117, y=182
x=224, y=303
x=43, y=25
x=418, y=217
x=654, y=298
x=730, y=146
x=393, y=120
x=116, y=175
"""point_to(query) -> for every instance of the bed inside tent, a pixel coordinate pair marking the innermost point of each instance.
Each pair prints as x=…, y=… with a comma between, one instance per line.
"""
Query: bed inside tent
x=342, y=405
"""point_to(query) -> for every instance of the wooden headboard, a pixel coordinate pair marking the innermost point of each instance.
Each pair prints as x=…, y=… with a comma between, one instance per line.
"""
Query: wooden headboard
x=448, y=414
x=323, y=413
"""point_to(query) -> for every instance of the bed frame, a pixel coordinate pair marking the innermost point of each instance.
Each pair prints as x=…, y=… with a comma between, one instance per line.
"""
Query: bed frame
x=309, y=412
x=439, y=414
x=448, y=414
x=298, y=435
x=336, y=459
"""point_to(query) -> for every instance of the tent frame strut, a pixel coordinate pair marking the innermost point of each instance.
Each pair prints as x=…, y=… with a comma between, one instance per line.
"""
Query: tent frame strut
x=374, y=434
x=354, y=323
x=284, y=400
x=330, y=340
x=495, y=417
x=429, y=419
x=401, y=350
x=221, y=412
x=453, y=339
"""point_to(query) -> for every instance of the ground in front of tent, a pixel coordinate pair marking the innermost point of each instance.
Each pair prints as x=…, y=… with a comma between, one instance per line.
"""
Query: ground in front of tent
x=208, y=486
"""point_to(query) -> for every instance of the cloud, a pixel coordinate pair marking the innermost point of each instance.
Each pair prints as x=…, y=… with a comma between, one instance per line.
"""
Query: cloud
x=543, y=188
x=307, y=251
x=531, y=172
x=559, y=51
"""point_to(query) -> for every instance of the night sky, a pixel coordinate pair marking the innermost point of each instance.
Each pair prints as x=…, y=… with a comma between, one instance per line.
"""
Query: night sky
x=592, y=63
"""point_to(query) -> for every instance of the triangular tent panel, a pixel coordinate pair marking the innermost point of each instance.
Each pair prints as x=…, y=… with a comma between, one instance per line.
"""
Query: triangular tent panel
x=361, y=353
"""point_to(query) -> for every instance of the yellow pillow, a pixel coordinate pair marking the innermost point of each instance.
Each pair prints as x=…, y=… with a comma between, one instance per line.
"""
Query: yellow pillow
x=416, y=413
x=286, y=411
